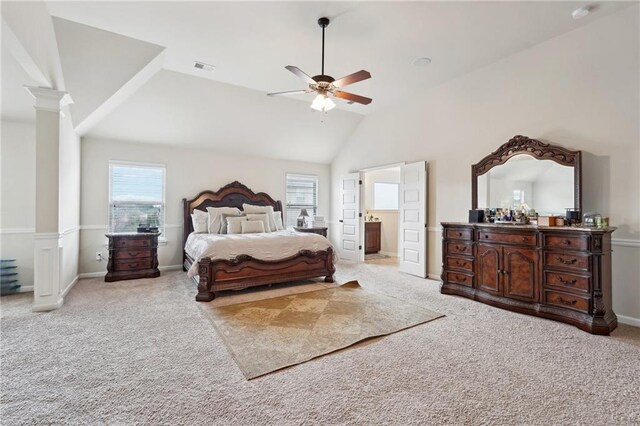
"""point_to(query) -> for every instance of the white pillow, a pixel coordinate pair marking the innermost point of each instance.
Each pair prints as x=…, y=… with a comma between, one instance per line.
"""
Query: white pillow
x=250, y=208
x=200, y=221
x=215, y=217
x=262, y=217
x=277, y=218
x=234, y=224
x=223, y=226
x=252, y=226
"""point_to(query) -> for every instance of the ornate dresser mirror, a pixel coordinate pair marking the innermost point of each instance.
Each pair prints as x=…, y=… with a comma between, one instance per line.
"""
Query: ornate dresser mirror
x=528, y=172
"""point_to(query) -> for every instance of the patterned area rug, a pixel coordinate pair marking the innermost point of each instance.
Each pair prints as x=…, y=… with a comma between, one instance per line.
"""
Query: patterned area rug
x=267, y=335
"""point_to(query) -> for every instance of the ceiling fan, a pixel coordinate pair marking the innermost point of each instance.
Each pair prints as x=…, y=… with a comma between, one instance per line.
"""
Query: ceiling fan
x=326, y=85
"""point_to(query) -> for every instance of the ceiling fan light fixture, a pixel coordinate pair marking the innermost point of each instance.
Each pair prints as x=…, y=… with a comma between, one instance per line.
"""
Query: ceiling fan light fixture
x=322, y=103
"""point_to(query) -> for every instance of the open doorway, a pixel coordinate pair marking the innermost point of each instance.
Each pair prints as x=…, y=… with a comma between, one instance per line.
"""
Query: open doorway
x=380, y=204
x=392, y=198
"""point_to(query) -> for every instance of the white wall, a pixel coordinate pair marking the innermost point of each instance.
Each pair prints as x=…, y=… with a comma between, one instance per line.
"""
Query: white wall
x=188, y=171
x=578, y=90
x=17, y=199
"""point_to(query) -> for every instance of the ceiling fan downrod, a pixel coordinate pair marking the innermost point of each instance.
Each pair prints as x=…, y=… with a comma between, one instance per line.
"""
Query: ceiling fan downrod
x=324, y=23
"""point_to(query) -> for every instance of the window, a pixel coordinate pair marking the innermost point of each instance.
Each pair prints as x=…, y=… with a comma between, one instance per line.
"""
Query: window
x=136, y=196
x=518, y=198
x=302, y=193
x=385, y=196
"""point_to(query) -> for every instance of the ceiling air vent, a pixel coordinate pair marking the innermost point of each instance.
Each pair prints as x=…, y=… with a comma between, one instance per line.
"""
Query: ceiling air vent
x=202, y=66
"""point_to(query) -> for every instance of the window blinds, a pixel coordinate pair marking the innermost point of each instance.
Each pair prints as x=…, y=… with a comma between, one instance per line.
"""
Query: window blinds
x=302, y=193
x=136, y=197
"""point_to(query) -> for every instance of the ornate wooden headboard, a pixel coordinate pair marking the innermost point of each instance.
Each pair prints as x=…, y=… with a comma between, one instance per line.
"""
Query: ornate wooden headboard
x=234, y=194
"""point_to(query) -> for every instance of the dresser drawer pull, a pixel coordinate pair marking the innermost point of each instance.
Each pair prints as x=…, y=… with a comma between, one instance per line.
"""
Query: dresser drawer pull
x=463, y=279
x=486, y=236
x=568, y=282
x=459, y=234
x=463, y=248
x=133, y=265
x=567, y=302
x=525, y=239
x=134, y=253
x=566, y=242
x=459, y=263
x=567, y=262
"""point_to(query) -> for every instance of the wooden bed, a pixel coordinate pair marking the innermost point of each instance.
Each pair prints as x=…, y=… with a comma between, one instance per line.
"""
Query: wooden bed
x=245, y=271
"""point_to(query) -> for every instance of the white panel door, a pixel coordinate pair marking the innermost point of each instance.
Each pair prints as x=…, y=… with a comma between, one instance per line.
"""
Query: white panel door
x=413, y=219
x=350, y=220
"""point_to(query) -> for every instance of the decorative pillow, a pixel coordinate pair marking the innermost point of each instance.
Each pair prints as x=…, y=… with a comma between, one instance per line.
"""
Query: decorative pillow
x=252, y=226
x=215, y=217
x=234, y=224
x=250, y=208
x=200, y=221
x=277, y=218
x=263, y=217
x=225, y=216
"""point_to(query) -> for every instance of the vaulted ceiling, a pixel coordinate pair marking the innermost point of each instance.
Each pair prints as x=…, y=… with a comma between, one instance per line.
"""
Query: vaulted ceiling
x=129, y=65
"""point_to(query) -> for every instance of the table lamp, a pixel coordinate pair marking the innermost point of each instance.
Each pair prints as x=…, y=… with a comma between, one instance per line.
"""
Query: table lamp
x=304, y=215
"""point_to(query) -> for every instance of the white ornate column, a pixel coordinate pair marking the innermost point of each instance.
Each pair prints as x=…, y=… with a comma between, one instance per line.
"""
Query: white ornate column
x=47, y=240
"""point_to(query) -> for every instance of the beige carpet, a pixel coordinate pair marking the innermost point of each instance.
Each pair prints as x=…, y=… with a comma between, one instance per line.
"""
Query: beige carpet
x=267, y=335
x=142, y=352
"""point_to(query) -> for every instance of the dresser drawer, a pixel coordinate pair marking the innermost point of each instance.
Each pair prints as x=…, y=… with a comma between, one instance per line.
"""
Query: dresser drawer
x=500, y=237
x=131, y=254
x=460, y=248
x=459, y=234
x=566, y=300
x=566, y=242
x=459, y=263
x=132, y=242
x=129, y=265
x=569, y=281
x=564, y=260
x=459, y=278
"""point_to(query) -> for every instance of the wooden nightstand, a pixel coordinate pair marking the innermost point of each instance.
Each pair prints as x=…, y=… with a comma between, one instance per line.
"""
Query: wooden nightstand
x=318, y=230
x=132, y=255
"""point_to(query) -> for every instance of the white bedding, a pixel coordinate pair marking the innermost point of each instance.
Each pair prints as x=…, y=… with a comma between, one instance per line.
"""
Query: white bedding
x=265, y=246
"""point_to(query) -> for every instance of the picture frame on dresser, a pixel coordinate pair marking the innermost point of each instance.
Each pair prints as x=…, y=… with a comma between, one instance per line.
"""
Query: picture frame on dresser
x=561, y=273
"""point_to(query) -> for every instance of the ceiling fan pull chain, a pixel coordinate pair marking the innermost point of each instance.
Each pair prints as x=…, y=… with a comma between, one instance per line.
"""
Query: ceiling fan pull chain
x=323, y=27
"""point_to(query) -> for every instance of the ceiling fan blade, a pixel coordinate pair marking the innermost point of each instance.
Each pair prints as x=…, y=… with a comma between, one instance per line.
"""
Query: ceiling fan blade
x=351, y=97
x=297, y=71
x=352, y=78
x=290, y=92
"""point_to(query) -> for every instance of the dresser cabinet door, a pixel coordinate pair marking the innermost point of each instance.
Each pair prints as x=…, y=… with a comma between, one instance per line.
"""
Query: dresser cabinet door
x=489, y=268
x=520, y=274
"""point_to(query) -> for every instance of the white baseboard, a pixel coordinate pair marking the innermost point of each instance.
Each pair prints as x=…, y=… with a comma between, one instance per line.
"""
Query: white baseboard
x=25, y=289
x=388, y=253
x=101, y=274
x=629, y=320
x=70, y=286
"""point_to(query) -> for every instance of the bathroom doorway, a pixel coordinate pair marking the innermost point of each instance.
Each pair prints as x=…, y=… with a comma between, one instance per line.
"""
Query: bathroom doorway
x=380, y=206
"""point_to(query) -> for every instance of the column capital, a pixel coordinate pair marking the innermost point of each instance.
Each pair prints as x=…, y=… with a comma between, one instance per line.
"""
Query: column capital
x=47, y=99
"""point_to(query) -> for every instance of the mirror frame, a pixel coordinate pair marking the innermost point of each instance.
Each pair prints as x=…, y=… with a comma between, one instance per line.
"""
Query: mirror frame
x=540, y=151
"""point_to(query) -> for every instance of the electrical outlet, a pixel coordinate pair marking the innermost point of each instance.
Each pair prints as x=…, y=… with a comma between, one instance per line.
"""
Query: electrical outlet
x=98, y=256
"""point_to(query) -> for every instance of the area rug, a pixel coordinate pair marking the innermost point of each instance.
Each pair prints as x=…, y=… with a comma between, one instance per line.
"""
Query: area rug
x=267, y=335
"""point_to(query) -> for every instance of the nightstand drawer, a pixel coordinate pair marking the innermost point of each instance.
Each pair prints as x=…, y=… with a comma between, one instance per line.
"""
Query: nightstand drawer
x=134, y=264
x=500, y=237
x=131, y=254
x=133, y=242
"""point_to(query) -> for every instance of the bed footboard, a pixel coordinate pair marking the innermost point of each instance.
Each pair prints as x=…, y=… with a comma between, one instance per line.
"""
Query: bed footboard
x=245, y=271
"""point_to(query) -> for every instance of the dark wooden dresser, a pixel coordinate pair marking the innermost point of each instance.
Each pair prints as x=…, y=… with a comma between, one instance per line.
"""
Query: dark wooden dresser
x=132, y=255
x=560, y=273
x=372, y=237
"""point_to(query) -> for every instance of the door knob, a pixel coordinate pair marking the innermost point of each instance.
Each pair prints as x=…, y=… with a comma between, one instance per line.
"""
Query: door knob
x=341, y=221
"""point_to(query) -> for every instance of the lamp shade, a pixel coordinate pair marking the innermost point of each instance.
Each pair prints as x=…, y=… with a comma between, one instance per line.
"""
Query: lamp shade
x=303, y=213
